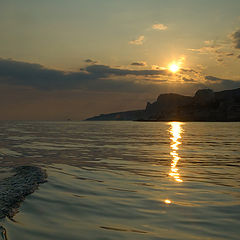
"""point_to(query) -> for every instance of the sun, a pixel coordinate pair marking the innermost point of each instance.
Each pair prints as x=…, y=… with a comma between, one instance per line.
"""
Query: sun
x=173, y=67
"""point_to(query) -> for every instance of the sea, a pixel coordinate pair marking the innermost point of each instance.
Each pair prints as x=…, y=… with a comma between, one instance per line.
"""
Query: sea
x=126, y=180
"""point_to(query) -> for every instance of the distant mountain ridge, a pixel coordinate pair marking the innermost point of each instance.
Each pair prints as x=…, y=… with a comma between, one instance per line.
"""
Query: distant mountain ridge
x=205, y=105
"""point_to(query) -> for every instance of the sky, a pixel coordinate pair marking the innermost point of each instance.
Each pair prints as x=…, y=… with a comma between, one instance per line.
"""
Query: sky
x=63, y=59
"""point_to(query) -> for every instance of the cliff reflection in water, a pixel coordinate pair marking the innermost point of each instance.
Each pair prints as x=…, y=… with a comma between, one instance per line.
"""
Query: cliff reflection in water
x=175, y=131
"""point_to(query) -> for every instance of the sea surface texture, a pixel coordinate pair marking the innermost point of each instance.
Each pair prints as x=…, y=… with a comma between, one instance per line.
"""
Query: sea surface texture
x=126, y=180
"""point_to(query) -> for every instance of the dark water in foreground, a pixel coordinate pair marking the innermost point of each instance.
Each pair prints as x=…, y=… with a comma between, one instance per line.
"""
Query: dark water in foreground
x=126, y=180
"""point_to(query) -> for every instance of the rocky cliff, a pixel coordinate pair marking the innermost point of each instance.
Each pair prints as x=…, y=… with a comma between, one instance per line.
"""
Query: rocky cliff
x=205, y=105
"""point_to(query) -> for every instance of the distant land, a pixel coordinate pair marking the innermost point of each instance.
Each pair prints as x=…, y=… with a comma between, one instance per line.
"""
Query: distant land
x=205, y=105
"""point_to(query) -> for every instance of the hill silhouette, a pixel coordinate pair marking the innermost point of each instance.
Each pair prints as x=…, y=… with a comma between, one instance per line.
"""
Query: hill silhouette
x=205, y=105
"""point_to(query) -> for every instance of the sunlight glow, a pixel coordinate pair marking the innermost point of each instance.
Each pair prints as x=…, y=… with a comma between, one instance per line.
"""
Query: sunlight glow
x=176, y=64
x=167, y=201
x=173, y=67
x=175, y=131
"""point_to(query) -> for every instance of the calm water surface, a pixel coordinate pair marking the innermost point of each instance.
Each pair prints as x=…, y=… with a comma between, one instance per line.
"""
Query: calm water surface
x=126, y=180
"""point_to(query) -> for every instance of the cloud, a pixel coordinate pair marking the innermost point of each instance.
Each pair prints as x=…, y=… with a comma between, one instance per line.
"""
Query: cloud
x=184, y=70
x=139, y=64
x=235, y=36
x=220, y=60
x=229, y=54
x=220, y=51
x=207, y=49
x=190, y=80
x=104, y=71
x=29, y=74
x=221, y=83
x=208, y=42
x=138, y=41
x=93, y=77
x=102, y=78
x=159, y=26
x=212, y=79
x=90, y=61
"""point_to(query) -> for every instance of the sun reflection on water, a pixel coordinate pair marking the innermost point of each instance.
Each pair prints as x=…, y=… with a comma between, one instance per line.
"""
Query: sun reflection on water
x=175, y=131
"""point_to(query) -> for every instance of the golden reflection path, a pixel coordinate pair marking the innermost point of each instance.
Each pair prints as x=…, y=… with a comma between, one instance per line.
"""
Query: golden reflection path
x=175, y=132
